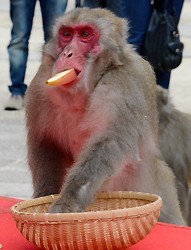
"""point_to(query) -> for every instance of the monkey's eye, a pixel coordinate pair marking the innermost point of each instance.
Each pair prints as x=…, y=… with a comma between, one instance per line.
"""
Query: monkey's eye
x=65, y=34
x=85, y=35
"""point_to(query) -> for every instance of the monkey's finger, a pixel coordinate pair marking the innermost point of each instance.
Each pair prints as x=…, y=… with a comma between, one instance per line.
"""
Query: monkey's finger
x=62, y=78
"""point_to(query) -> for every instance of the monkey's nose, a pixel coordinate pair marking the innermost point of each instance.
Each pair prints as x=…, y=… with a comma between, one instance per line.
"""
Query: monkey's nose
x=68, y=54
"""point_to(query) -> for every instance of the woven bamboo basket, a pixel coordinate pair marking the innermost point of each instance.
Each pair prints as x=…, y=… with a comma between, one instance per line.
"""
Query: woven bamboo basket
x=116, y=220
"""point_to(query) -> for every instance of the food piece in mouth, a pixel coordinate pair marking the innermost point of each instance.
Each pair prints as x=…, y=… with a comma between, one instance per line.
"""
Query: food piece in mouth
x=62, y=78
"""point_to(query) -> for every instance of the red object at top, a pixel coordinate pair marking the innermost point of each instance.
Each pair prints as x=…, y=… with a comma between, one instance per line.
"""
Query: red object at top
x=162, y=237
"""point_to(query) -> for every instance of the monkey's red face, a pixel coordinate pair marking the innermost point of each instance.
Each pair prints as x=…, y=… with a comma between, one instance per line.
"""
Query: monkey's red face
x=76, y=44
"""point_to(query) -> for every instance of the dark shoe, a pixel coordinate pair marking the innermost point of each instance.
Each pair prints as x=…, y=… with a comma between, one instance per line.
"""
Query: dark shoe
x=16, y=102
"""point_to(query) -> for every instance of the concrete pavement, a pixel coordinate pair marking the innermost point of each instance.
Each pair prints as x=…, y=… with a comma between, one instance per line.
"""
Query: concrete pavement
x=15, y=178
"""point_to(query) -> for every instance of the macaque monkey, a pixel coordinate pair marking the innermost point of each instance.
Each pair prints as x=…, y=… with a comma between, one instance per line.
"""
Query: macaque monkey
x=99, y=132
x=175, y=145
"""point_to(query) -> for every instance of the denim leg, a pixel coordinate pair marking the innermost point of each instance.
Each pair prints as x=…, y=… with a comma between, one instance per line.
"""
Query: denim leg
x=51, y=9
x=117, y=7
x=178, y=4
x=92, y=3
x=163, y=78
x=78, y=3
x=21, y=13
x=138, y=14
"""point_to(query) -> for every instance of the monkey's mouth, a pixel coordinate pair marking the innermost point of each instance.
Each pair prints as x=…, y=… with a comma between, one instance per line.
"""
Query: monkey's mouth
x=78, y=76
x=65, y=77
x=74, y=80
x=77, y=72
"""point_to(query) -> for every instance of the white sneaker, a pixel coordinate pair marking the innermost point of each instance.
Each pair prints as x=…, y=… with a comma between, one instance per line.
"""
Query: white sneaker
x=16, y=102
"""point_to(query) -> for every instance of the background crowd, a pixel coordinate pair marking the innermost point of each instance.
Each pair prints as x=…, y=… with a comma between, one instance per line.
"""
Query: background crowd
x=137, y=12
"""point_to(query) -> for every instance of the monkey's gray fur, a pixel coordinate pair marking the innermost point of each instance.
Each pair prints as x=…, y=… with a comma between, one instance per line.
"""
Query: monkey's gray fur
x=101, y=133
x=175, y=145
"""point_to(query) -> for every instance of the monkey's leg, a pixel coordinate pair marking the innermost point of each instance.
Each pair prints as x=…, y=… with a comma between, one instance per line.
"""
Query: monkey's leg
x=48, y=164
x=94, y=167
x=170, y=212
x=183, y=195
x=189, y=217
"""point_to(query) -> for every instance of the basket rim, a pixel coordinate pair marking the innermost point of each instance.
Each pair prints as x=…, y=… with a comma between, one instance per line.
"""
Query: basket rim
x=155, y=205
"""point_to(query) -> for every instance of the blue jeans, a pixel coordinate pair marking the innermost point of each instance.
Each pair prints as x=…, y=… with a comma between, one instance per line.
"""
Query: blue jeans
x=22, y=13
x=138, y=13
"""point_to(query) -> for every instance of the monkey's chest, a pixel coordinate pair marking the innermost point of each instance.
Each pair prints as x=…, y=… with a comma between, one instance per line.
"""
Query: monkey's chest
x=75, y=128
x=77, y=141
x=73, y=134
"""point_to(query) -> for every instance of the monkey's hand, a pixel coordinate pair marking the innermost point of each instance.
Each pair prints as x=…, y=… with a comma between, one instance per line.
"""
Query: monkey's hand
x=73, y=199
x=62, y=206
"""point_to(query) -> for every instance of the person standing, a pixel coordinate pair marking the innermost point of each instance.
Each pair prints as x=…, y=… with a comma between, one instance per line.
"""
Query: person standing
x=138, y=13
x=22, y=13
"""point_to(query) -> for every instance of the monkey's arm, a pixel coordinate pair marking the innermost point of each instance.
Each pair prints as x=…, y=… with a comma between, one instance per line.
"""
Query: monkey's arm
x=47, y=161
x=95, y=166
x=48, y=164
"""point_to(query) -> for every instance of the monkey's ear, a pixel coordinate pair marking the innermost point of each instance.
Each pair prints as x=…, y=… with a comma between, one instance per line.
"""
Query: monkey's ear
x=50, y=49
x=47, y=59
x=117, y=59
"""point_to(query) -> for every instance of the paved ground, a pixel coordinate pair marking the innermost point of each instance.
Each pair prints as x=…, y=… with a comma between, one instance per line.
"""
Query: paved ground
x=15, y=179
